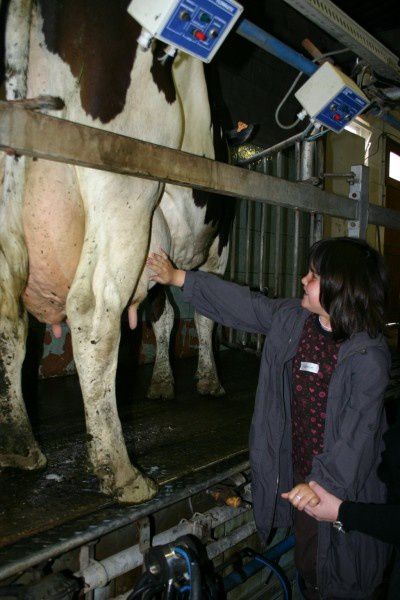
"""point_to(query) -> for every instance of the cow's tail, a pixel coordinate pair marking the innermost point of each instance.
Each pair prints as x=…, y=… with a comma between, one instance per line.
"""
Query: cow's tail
x=13, y=252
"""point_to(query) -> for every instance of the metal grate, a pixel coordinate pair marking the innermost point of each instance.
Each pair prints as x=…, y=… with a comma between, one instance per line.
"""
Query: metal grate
x=332, y=19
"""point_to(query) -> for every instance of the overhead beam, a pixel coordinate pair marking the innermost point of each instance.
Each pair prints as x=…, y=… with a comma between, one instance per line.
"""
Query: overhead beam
x=38, y=135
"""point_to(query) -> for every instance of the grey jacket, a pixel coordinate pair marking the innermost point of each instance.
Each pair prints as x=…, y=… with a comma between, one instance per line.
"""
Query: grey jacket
x=348, y=565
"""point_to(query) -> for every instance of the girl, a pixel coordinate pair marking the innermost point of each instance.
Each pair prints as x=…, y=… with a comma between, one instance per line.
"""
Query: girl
x=319, y=405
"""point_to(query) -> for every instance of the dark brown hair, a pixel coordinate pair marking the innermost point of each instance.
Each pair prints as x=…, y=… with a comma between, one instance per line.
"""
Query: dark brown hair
x=353, y=285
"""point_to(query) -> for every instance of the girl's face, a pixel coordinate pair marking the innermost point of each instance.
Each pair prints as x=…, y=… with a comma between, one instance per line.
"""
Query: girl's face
x=311, y=284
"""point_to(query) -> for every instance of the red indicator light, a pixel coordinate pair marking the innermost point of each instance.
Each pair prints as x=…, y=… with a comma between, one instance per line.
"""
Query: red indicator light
x=200, y=35
x=336, y=117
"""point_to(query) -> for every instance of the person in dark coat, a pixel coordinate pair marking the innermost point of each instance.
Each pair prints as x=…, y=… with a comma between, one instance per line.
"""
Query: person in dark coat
x=319, y=405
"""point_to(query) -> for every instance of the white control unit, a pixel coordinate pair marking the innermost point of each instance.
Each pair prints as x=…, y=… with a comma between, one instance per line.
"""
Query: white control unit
x=196, y=27
x=331, y=98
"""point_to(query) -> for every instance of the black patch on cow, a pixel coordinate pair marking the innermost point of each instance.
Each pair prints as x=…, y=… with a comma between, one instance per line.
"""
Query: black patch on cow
x=156, y=299
x=220, y=210
x=97, y=39
x=162, y=72
x=3, y=19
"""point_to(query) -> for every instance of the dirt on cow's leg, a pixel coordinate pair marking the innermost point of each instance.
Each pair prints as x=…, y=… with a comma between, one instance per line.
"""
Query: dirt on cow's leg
x=18, y=447
x=162, y=320
x=107, y=273
x=206, y=374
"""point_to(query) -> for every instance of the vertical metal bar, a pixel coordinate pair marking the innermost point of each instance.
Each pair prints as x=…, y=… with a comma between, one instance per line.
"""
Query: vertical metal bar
x=319, y=168
x=296, y=242
x=312, y=229
x=262, y=263
x=297, y=160
x=232, y=266
x=300, y=171
x=249, y=221
x=278, y=226
x=358, y=191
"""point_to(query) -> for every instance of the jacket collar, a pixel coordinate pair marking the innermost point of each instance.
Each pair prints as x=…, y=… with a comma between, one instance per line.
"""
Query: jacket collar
x=358, y=343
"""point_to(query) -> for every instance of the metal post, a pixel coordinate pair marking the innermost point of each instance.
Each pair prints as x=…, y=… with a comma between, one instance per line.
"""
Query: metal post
x=249, y=212
x=262, y=263
x=359, y=191
x=296, y=242
x=302, y=168
x=278, y=225
x=232, y=266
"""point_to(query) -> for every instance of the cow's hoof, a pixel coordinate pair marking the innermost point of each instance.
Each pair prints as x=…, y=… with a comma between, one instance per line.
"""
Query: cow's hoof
x=138, y=490
x=207, y=387
x=163, y=389
x=33, y=461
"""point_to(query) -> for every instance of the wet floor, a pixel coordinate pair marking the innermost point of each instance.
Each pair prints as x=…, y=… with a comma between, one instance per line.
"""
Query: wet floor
x=166, y=439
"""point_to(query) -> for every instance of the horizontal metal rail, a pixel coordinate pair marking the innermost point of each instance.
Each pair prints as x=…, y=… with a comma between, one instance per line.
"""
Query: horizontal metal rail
x=34, y=134
x=49, y=544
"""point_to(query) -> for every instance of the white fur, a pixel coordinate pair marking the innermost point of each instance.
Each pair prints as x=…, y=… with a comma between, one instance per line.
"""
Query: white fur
x=110, y=248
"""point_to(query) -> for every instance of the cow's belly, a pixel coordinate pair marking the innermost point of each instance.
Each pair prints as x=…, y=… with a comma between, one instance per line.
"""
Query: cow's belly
x=54, y=223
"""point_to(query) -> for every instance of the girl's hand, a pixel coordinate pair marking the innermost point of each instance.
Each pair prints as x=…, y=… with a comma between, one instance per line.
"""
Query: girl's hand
x=301, y=496
x=163, y=270
x=328, y=508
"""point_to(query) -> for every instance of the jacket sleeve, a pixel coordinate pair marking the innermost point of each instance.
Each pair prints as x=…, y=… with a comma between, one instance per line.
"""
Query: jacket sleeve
x=230, y=304
x=381, y=521
x=344, y=469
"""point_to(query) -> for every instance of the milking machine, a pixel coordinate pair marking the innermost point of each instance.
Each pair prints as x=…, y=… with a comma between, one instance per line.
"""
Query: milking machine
x=180, y=569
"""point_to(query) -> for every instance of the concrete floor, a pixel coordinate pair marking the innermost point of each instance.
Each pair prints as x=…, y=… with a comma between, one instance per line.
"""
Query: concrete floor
x=166, y=439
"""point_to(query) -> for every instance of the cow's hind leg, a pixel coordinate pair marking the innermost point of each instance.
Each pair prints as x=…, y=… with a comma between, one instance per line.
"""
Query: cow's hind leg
x=206, y=375
x=162, y=320
x=18, y=447
x=112, y=258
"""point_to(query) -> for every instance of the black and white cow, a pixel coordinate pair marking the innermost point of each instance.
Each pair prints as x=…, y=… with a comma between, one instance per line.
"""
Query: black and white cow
x=73, y=241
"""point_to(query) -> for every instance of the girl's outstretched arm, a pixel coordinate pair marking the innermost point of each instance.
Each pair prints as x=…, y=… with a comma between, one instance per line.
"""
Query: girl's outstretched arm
x=163, y=270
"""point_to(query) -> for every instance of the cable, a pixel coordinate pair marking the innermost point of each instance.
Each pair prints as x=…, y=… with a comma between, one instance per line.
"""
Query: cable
x=274, y=567
x=316, y=135
x=282, y=102
x=181, y=552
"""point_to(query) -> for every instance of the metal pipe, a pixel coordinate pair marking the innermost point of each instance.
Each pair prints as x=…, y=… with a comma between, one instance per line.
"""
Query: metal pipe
x=278, y=225
x=99, y=573
x=349, y=175
x=85, y=529
x=238, y=535
x=270, y=44
x=232, y=266
x=276, y=147
x=249, y=212
x=388, y=118
x=296, y=242
x=261, y=275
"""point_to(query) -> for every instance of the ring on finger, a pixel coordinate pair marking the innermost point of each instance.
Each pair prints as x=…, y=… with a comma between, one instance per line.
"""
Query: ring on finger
x=298, y=497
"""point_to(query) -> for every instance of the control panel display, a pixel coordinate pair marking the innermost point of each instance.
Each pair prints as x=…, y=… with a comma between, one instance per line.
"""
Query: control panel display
x=341, y=110
x=197, y=27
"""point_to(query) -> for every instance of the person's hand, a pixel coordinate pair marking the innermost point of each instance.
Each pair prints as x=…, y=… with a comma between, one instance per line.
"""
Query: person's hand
x=164, y=271
x=301, y=496
x=328, y=508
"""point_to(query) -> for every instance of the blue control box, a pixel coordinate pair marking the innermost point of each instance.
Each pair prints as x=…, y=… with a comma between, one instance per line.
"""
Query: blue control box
x=197, y=27
x=342, y=109
x=200, y=27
